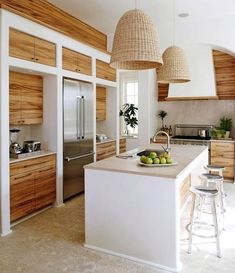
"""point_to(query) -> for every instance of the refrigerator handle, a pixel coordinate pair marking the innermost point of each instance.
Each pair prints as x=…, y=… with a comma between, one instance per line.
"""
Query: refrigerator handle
x=67, y=158
x=78, y=118
x=83, y=117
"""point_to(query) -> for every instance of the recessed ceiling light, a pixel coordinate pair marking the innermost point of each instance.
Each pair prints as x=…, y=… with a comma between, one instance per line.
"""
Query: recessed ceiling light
x=183, y=14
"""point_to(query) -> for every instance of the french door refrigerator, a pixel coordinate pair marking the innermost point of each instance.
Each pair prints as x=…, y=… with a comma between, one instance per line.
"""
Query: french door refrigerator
x=78, y=134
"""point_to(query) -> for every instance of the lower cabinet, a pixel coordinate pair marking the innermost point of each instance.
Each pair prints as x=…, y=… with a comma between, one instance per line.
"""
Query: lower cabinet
x=223, y=154
x=105, y=149
x=184, y=190
x=32, y=185
x=122, y=145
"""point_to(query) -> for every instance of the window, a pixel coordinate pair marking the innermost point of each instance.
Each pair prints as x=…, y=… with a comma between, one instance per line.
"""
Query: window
x=129, y=94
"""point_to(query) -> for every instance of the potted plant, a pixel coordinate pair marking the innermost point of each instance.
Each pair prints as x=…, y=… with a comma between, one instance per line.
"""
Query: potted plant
x=226, y=125
x=129, y=112
x=162, y=114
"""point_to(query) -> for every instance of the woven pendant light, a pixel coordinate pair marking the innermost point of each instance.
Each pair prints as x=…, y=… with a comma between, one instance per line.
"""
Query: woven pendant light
x=135, y=45
x=175, y=68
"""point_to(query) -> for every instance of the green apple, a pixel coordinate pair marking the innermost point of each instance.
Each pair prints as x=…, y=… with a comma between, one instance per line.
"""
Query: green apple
x=169, y=160
x=143, y=159
x=156, y=160
x=162, y=160
x=152, y=155
x=149, y=161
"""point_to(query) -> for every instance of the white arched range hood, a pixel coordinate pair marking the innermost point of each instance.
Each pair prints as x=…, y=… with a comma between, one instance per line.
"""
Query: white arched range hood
x=203, y=82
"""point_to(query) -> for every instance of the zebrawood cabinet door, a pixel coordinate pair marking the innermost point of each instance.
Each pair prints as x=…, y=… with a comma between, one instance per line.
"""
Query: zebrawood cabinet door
x=32, y=185
x=104, y=71
x=105, y=150
x=21, y=45
x=22, y=195
x=45, y=187
x=45, y=52
x=31, y=48
x=26, y=98
x=75, y=61
x=122, y=145
x=100, y=103
x=223, y=154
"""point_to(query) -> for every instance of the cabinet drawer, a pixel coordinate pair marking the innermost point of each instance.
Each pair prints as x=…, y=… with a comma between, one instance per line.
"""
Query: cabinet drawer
x=105, y=150
x=31, y=165
x=222, y=149
x=104, y=71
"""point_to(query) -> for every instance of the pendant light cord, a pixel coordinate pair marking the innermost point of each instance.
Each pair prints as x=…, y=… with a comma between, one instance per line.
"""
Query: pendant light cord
x=173, y=11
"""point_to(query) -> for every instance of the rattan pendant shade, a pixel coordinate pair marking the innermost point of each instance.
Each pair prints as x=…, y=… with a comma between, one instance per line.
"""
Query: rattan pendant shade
x=175, y=68
x=135, y=44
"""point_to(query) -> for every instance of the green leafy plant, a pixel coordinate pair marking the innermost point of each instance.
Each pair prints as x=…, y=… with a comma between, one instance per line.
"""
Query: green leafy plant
x=162, y=114
x=225, y=124
x=128, y=112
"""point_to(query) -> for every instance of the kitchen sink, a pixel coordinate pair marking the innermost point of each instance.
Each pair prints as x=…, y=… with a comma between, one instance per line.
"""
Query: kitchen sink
x=148, y=151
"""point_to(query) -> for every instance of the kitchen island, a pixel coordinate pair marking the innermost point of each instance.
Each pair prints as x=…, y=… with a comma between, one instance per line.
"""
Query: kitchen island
x=133, y=211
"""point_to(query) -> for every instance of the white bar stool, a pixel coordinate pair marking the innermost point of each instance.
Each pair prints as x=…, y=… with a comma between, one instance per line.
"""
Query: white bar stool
x=204, y=192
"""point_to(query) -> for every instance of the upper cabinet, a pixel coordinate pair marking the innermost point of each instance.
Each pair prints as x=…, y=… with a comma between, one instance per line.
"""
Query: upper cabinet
x=100, y=103
x=26, y=98
x=31, y=48
x=225, y=75
x=105, y=71
x=75, y=61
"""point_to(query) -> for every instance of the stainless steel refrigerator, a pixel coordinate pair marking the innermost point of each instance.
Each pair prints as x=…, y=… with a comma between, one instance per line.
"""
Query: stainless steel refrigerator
x=78, y=134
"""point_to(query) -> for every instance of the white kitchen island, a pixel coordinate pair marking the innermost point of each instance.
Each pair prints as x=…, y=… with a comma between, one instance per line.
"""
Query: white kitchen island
x=133, y=211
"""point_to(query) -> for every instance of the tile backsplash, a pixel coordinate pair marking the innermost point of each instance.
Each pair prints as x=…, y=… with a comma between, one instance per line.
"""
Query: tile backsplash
x=198, y=112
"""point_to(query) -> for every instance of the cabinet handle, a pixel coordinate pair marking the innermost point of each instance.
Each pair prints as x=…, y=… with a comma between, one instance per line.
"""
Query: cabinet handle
x=32, y=58
x=22, y=176
x=36, y=59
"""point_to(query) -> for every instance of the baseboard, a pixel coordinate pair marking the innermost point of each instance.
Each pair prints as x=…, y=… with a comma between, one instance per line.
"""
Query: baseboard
x=134, y=259
x=7, y=233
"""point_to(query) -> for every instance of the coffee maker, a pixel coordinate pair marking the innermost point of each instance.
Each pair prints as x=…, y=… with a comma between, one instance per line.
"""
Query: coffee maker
x=15, y=146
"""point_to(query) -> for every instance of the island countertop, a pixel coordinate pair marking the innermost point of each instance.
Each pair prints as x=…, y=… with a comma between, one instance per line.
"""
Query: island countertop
x=184, y=155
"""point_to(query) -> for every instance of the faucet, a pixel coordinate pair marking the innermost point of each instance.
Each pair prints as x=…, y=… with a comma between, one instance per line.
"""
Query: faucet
x=168, y=148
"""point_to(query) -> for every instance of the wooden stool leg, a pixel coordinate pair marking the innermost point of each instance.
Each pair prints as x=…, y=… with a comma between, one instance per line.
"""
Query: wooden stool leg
x=191, y=223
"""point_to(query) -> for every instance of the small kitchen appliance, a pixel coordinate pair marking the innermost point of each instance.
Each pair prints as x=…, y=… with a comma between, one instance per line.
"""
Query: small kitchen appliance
x=15, y=146
x=30, y=146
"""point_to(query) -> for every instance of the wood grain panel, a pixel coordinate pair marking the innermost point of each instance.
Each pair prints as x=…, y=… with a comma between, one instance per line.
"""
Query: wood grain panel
x=100, y=103
x=105, y=150
x=184, y=190
x=21, y=45
x=45, y=52
x=45, y=187
x=22, y=193
x=162, y=91
x=75, y=61
x=228, y=163
x=26, y=98
x=222, y=149
x=225, y=74
x=104, y=71
x=122, y=145
x=32, y=164
x=49, y=15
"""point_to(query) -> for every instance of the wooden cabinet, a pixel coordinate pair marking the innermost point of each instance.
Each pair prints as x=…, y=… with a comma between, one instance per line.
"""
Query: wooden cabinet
x=225, y=75
x=105, y=149
x=184, y=190
x=100, y=103
x=105, y=71
x=32, y=185
x=222, y=154
x=25, y=98
x=75, y=61
x=31, y=48
x=122, y=145
x=163, y=89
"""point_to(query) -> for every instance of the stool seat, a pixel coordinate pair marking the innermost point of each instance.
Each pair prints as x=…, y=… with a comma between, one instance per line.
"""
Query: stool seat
x=204, y=191
x=215, y=168
x=210, y=176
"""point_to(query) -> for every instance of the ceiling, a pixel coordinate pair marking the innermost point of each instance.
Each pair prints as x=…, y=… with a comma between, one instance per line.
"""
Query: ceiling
x=104, y=14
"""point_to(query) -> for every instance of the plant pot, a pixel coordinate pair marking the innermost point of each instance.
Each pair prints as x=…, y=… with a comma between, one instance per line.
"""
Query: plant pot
x=227, y=134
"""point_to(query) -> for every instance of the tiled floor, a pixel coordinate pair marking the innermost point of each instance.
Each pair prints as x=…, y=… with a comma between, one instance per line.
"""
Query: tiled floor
x=52, y=243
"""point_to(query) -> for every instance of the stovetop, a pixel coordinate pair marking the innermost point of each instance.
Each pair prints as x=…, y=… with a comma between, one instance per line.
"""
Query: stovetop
x=190, y=137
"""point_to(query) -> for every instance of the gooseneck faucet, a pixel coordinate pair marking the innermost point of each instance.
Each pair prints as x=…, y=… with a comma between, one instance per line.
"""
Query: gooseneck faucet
x=168, y=148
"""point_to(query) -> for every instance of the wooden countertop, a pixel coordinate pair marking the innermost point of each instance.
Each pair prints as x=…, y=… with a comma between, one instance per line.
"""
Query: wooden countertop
x=185, y=155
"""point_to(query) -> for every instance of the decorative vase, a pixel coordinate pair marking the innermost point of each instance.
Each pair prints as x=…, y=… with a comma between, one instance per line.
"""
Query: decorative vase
x=227, y=134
